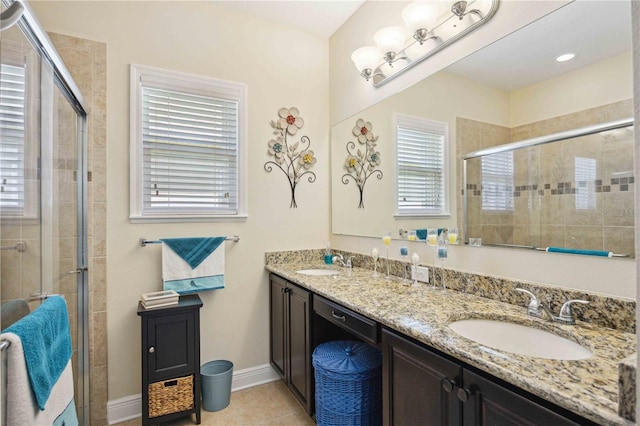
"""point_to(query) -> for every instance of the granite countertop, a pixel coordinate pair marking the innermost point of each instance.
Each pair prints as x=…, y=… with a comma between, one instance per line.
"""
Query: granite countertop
x=586, y=387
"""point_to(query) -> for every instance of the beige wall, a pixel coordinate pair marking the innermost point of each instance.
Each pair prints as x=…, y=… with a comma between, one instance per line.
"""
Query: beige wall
x=550, y=98
x=282, y=68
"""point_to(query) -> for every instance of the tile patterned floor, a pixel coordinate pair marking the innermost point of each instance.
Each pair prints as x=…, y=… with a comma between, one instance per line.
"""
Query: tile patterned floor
x=269, y=404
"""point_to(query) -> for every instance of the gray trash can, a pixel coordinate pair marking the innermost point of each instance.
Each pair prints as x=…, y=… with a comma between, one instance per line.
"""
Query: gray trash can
x=216, y=384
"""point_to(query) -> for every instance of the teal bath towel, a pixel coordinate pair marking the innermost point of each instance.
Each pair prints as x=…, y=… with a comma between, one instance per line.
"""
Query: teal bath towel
x=579, y=251
x=192, y=265
x=46, y=342
x=193, y=250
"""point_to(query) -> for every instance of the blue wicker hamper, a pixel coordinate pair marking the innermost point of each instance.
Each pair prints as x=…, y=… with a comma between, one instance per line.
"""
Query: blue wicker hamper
x=348, y=384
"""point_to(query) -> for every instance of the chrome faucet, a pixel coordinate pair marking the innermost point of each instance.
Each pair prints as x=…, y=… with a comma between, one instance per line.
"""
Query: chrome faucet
x=538, y=309
x=340, y=260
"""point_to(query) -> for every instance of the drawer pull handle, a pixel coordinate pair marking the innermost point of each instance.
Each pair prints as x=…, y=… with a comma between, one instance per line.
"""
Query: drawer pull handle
x=338, y=317
x=152, y=350
x=170, y=383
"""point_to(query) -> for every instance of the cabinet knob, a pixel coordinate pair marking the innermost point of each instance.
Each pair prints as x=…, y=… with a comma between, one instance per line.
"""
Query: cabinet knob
x=447, y=384
x=152, y=350
x=463, y=395
x=338, y=316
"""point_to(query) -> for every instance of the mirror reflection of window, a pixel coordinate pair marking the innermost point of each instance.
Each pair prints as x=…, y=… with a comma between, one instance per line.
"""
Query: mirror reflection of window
x=421, y=160
x=497, y=182
x=585, y=178
x=12, y=139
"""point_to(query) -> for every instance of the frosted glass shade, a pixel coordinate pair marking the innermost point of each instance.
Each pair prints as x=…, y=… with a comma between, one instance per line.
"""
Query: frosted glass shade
x=367, y=57
x=390, y=39
x=421, y=15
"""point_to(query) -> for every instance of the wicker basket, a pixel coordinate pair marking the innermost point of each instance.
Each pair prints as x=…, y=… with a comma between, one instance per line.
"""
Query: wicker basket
x=348, y=384
x=171, y=396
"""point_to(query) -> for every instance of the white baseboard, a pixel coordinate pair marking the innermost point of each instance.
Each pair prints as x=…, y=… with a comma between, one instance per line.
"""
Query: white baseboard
x=129, y=407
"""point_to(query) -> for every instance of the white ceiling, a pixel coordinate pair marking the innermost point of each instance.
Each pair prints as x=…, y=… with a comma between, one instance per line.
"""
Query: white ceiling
x=318, y=17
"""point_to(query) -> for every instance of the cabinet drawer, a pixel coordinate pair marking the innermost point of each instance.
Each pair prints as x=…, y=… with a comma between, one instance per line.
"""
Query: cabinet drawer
x=360, y=326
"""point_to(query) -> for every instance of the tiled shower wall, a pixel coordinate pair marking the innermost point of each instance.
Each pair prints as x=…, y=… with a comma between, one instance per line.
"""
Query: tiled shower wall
x=545, y=208
x=87, y=63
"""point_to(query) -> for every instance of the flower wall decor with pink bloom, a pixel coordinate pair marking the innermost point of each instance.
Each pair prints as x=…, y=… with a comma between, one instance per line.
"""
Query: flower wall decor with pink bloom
x=361, y=163
x=294, y=159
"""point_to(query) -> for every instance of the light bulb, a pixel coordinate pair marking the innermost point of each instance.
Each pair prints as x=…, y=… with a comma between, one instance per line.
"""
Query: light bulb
x=366, y=58
x=390, y=39
x=421, y=15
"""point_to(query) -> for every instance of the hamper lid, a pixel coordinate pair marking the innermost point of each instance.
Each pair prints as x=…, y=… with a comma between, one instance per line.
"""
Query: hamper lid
x=346, y=356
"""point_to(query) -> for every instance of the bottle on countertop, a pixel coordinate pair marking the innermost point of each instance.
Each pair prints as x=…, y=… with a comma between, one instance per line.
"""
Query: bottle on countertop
x=328, y=257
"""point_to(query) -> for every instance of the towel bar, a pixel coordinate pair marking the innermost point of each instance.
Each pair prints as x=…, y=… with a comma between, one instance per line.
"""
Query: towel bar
x=4, y=345
x=20, y=246
x=144, y=241
x=612, y=254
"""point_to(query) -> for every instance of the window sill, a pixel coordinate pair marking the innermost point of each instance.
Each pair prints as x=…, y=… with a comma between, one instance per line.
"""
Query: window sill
x=188, y=218
x=420, y=215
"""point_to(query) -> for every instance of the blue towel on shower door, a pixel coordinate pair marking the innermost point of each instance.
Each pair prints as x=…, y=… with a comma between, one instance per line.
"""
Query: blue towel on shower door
x=46, y=342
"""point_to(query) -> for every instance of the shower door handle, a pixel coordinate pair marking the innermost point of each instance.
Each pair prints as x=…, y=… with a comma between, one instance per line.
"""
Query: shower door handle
x=79, y=270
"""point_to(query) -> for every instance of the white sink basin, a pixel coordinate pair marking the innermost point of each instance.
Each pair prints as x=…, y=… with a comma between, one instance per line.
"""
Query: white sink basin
x=520, y=339
x=318, y=272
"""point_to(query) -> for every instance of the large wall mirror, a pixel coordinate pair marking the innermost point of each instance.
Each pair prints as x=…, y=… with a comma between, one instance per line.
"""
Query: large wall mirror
x=512, y=90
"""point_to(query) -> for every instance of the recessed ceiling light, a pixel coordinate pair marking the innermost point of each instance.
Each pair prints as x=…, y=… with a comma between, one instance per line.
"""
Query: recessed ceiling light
x=566, y=57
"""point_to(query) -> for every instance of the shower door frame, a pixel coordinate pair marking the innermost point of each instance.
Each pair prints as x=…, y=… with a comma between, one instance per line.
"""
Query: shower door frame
x=39, y=39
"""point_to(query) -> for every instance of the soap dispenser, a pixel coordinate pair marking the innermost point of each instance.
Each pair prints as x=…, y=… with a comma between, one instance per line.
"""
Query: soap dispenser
x=328, y=257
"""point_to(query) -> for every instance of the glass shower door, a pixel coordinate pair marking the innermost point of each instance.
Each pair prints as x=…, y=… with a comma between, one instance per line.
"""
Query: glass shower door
x=42, y=195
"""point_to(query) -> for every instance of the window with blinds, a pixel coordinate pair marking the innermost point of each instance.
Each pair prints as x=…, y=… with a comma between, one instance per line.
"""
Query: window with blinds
x=190, y=137
x=497, y=182
x=12, y=140
x=585, y=178
x=422, y=175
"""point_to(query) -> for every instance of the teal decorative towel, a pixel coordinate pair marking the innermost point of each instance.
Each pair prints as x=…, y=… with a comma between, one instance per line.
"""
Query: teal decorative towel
x=46, y=342
x=580, y=251
x=193, y=250
x=421, y=234
x=179, y=257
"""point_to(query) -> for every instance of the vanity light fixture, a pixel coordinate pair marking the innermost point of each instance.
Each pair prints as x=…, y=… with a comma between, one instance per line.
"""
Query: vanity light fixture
x=431, y=25
x=566, y=57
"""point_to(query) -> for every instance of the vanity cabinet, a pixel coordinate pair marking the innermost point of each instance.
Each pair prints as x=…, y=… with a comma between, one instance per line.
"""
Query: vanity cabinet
x=420, y=386
x=171, y=361
x=290, y=346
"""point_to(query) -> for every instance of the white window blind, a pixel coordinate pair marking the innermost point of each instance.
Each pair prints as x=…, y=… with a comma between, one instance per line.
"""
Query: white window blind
x=191, y=136
x=585, y=177
x=421, y=166
x=497, y=181
x=12, y=140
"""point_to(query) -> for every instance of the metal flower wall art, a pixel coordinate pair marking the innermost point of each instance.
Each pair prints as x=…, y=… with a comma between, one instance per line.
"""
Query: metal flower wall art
x=294, y=159
x=361, y=163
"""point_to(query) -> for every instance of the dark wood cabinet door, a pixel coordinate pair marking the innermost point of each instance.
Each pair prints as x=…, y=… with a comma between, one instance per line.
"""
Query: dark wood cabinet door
x=170, y=342
x=488, y=404
x=419, y=386
x=277, y=297
x=300, y=344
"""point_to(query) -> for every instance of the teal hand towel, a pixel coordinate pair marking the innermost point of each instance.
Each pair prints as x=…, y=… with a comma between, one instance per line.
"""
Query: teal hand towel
x=579, y=251
x=46, y=342
x=193, y=250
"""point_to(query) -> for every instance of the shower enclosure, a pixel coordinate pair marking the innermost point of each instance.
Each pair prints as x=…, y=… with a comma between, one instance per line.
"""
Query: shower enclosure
x=43, y=186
